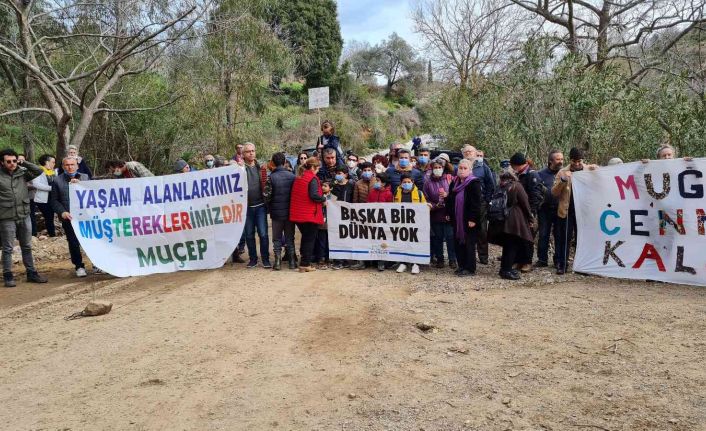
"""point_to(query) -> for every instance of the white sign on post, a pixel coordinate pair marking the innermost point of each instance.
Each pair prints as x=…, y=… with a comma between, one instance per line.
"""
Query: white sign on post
x=393, y=232
x=318, y=98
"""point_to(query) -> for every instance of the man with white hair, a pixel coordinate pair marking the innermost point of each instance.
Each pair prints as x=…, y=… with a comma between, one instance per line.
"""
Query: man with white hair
x=481, y=170
x=60, y=203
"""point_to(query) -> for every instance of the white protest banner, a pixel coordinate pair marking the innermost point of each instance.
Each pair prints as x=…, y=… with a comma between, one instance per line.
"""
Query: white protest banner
x=140, y=226
x=318, y=98
x=643, y=221
x=380, y=231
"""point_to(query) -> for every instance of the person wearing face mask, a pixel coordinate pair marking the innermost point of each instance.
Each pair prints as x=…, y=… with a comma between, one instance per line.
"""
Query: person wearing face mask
x=547, y=215
x=380, y=191
x=404, y=167
x=353, y=170
x=482, y=171
x=463, y=206
x=14, y=214
x=342, y=186
x=72, y=151
x=209, y=161
x=379, y=164
x=566, y=210
x=423, y=160
x=408, y=192
x=364, y=184
x=61, y=204
x=123, y=169
x=436, y=190
x=42, y=185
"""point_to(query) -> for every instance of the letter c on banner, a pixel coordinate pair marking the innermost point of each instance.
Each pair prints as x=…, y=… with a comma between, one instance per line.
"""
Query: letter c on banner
x=604, y=228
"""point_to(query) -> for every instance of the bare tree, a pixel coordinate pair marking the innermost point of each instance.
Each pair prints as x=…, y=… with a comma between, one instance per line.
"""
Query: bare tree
x=466, y=38
x=96, y=45
x=605, y=30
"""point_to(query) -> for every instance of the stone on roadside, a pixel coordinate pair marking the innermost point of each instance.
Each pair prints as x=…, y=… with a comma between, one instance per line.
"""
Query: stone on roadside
x=97, y=308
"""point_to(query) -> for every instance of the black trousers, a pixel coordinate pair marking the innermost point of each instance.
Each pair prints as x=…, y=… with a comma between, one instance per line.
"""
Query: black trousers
x=48, y=214
x=74, y=245
x=306, y=247
x=466, y=253
x=514, y=249
x=482, y=236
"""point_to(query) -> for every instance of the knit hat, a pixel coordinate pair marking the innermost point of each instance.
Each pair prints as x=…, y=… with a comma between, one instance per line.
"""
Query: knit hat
x=179, y=165
x=518, y=159
x=444, y=157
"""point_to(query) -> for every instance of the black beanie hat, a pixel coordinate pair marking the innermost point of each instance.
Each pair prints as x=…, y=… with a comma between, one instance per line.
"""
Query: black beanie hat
x=518, y=159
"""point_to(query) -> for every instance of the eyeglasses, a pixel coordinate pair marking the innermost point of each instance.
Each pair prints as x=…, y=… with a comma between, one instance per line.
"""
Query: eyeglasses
x=11, y=161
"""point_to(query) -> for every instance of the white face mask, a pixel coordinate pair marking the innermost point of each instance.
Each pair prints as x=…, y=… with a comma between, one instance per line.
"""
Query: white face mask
x=379, y=168
x=438, y=172
x=351, y=164
x=479, y=159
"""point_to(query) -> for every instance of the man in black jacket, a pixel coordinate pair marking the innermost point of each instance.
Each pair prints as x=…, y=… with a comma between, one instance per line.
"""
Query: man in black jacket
x=548, y=218
x=60, y=203
x=278, y=190
x=534, y=187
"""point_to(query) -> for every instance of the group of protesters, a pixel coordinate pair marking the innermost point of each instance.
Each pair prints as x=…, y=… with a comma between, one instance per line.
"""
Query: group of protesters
x=470, y=204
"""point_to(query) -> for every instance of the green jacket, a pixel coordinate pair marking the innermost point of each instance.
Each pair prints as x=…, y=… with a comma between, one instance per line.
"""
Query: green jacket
x=14, y=195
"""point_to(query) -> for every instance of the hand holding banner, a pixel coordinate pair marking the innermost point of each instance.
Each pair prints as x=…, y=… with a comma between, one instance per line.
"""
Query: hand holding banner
x=141, y=226
x=379, y=231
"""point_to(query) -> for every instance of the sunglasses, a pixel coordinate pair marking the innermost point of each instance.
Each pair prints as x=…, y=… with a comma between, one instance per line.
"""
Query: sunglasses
x=11, y=161
x=303, y=158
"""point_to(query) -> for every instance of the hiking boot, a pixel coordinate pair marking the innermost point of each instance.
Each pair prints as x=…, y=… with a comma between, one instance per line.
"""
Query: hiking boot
x=34, y=277
x=278, y=263
x=381, y=265
x=9, y=279
x=292, y=262
x=236, y=256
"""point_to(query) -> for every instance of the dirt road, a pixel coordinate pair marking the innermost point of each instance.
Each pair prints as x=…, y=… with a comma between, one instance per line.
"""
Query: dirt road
x=238, y=349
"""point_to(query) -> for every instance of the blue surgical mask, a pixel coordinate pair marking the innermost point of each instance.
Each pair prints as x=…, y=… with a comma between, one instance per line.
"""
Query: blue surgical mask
x=367, y=175
x=377, y=186
x=423, y=160
x=407, y=187
x=403, y=163
x=72, y=175
x=340, y=177
x=210, y=163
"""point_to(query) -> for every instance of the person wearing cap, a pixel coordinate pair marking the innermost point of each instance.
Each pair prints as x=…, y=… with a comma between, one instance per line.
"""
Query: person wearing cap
x=181, y=167
x=481, y=170
x=547, y=216
x=534, y=188
x=566, y=209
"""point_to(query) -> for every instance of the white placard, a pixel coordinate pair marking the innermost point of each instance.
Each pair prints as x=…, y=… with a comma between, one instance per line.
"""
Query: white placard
x=318, y=98
x=141, y=226
x=643, y=221
x=393, y=232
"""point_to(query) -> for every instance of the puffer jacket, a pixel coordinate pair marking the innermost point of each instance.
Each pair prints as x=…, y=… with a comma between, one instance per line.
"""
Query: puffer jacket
x=278, y=191
x=14, y=193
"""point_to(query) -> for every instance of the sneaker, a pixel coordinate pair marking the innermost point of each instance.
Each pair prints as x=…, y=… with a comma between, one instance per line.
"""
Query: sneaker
x=510, y=275
x=9, y=279
x=359, y=265
x=560, y=271
x=98, y=271
x=381, y=265
x=251, y=263
x=458, y=271
x=402, y=268
x=465, y=273
x=415, y=269
x=266, y=264
x=337, y=265
x=81, y=272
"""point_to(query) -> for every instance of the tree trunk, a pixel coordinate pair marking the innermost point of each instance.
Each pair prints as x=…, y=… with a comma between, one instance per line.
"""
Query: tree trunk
x=27, y=144
x=602, y=41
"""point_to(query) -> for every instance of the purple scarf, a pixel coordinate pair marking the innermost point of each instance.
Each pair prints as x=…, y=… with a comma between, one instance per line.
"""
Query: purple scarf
x=459, y=207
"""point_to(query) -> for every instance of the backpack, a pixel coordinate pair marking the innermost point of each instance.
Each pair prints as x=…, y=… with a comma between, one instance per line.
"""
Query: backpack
x=497, y=208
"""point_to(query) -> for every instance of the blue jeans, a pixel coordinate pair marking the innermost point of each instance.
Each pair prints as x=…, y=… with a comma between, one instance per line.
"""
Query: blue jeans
x=256, y=218
x=548, y=226
x=440, y=233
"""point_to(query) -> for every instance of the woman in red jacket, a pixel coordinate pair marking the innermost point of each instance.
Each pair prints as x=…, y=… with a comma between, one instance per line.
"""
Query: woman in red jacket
x=306, y=210
x=381, y=190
